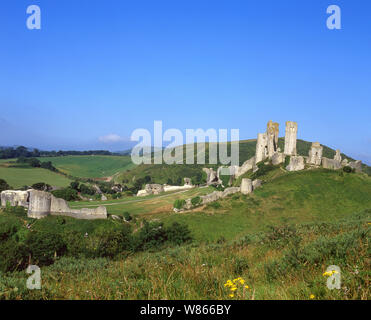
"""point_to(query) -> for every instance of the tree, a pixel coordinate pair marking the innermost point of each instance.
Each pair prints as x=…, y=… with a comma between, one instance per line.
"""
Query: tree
x=67, y=194
x=42, y=186
x=75, y=185
x=3, y=185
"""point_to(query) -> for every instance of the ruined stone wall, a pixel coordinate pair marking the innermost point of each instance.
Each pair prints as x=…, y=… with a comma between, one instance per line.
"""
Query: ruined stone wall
x=330, y=163
x=315, y=154
x=14, y=198
x=154, y=188
x=296, y=163
x=41, y=204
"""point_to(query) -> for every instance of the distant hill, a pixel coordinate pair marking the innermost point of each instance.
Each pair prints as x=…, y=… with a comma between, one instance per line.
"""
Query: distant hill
x=163, y=173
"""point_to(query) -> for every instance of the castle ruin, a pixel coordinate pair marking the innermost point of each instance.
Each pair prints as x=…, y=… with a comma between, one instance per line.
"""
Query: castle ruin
x=41, y=204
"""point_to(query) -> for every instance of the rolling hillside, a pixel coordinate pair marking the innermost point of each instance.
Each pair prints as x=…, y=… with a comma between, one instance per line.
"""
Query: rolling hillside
x=94, y=166
x=18, y=177
x=161, y=173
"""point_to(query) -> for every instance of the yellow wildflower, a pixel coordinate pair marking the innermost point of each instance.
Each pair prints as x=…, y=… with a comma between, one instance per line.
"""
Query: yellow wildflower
x=312, y=296
x=231, y=295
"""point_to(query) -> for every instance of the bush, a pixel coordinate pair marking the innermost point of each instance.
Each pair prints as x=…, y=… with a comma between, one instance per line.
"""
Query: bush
x=87, y=190
x=287, y=161
x=196, y=201
x=117, y=195
x=178, y=233
x=214, y=205
x=75, y=185
x=13, y=256
x=151, y=236
x=263, y=169
x=112, y=243
x=127, y=216
x=179, y=204
x=33, y=162
x=42, y=186
x=7, y=230
x=199, y=178
x=3, y=185
x=67, y=194
x=347, y=169
x=48, y=165
x=44, y=247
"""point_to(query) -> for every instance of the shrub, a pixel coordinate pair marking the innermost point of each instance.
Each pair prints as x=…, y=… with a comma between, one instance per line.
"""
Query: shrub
x=347, y=169
x=263, y=169
x=178, y=233
x=7, y=230
x=196, y=201
x=44, y=247
x=117, y=195
x=214, y=205
x=287, y=161
x=199, y=178
x=42, y=186
x=67, y=194
x=112, y=243
x=3, y=185
x=13, y=255
x=48, y=165
x=75, y=185
x=87, y=190
x=127, y=216
x=179, y=204
x=151, y=236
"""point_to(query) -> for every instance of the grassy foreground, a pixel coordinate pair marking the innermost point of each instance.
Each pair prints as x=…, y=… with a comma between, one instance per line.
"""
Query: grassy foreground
x=287, y=262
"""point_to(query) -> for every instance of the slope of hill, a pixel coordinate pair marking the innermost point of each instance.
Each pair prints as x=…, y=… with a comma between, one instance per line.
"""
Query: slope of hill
x=162, y=173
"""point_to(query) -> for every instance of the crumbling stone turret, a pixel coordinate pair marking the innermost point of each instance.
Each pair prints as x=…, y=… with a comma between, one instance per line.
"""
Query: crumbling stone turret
x=315, y=154
x=290, y=138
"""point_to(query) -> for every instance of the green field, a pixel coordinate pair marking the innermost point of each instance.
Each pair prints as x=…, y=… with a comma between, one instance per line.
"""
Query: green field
x=94, y=166
x=18, y=177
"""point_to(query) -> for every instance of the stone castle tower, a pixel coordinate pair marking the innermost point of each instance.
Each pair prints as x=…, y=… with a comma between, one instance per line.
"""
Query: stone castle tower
x=290, y=138
x=267, y=142
x=272, y=137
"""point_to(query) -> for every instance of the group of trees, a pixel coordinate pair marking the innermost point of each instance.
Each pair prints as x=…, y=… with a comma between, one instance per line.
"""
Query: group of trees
x=10, y=153
x=36, y=163
x=83, y=188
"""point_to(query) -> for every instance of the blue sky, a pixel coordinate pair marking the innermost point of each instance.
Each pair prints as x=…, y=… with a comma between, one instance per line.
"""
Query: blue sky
x=99, y=68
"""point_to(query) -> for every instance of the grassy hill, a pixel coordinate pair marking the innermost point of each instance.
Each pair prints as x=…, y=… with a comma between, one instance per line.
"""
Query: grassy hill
x=17, y=176
x=161, y=173
x=91, y=166
x=295, y=197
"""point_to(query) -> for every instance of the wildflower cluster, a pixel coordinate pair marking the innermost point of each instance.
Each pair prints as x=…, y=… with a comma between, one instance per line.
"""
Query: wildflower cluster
x=329, y=273
x=236, y=287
